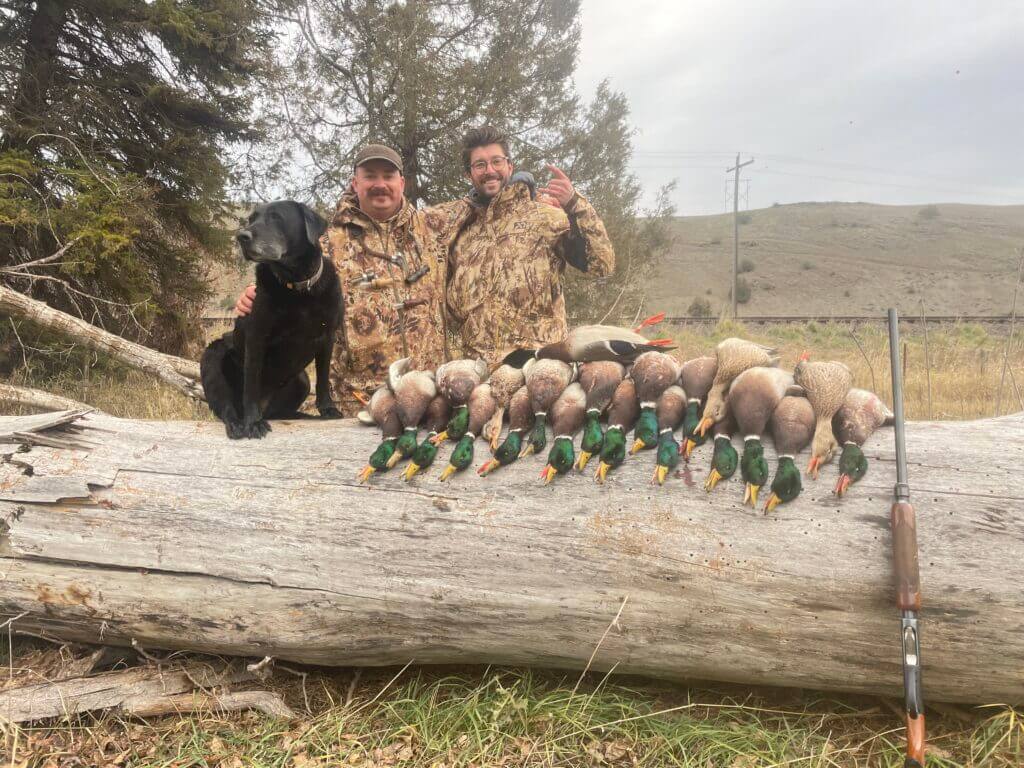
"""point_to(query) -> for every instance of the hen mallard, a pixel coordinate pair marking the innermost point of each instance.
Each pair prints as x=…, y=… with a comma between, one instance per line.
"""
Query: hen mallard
x=653, y=372
x=622, y=415
x=724, y=458
x=599, y=380
x=733, y=356
x=520, y=417
x=861, y=413
x=753, y=397
x=480, y=408
x=383, y=410
x=567, y=416
x=670, y=411
x=505, y=381
x=438, y=412
x=456, y=380
x=792, y=427
x=545, y=381
x=413, y=392
x=826, y=385
x=695, y=377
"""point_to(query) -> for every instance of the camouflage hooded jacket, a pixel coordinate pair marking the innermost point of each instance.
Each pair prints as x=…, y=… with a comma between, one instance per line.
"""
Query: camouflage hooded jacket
x=392, y=277
x=505, y=262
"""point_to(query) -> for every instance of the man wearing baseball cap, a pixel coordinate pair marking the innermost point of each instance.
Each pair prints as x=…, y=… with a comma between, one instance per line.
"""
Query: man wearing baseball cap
x=392, y=274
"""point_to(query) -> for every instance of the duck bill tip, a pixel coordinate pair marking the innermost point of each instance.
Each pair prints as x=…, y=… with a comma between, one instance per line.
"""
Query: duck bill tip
x=439, y=438
x=548, y=474
x=582, y=460
x=410, y=472
x=772, y=503
x=365, y=473
x=393, y=459
x=705, y=424
x=843, y=484
x=714, y=476
x=487, y=467
x=750, y=494
x=812, y=467
x=638, y=445
x=660, y=473
x=688, y=449
x=448, y=472
x=602, y=472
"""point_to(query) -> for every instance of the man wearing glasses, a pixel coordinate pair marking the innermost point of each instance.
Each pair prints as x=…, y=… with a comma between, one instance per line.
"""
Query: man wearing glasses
x=507, y=252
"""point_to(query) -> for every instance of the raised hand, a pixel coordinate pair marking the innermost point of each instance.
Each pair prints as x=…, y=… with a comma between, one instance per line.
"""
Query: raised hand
x=559, y=188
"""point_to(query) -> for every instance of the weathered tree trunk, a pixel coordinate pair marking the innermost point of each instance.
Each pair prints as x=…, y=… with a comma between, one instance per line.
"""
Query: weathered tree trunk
x=173, y=535
x=37, y=399
x=177, y=371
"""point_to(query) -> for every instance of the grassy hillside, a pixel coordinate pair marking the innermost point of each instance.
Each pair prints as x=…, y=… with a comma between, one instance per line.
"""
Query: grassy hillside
x=847, y=258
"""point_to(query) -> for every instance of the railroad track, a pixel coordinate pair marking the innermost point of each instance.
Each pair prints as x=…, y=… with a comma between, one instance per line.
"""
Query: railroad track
x=879, y=318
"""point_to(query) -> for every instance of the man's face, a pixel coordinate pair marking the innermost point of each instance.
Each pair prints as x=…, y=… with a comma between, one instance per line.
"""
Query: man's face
x=489, y=169
x=379, y=188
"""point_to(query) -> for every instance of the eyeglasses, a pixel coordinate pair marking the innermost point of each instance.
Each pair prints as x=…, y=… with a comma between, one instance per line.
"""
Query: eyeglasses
x=497, y=163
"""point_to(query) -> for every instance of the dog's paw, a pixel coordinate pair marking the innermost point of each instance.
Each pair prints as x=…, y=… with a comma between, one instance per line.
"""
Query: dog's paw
x=257, y=430
x=330, y=412
x=235, y=429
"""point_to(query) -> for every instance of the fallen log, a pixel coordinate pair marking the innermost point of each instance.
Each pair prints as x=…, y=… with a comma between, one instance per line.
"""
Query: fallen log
x=37, y=399
x=177, y=371
x=169, y=534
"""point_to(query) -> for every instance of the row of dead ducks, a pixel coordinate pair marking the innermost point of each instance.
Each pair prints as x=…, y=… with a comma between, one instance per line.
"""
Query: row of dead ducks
x=738, y=391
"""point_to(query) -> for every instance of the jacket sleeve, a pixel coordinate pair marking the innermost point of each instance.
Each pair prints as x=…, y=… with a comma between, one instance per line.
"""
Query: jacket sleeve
x=586, y=245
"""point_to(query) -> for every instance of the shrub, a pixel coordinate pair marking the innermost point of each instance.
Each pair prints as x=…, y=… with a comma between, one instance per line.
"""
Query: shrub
x=746, y=265
x=805, y=265
x=929, y=212
x=744, y=218
x=742, y=291
x=699, y=308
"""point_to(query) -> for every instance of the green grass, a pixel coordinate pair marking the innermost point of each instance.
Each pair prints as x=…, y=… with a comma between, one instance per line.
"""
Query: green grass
x=490, y=717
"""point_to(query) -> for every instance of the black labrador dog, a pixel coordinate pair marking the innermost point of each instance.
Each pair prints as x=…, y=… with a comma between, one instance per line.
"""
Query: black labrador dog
x=257, y=372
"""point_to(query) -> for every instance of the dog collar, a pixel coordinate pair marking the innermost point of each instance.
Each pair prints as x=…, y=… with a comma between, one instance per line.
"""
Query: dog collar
x=305, y=285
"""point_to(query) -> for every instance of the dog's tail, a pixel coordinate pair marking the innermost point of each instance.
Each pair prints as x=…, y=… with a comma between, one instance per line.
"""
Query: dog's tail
x=220, y=395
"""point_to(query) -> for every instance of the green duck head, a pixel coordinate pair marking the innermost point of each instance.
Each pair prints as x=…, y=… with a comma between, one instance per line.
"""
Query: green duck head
x=723, y=462
x=507, y=452
x=753, y=468
x=422, y=457
x=405, y=446
x=668, y=455
x=593, y=437
x=691, y=422
x=378, y=459
x=462, y=456
x=538, y=438
x=853, y=465
x=786, y=486
x=613, y=451
x=560, y=458
x=645, y=434
x=457, y=424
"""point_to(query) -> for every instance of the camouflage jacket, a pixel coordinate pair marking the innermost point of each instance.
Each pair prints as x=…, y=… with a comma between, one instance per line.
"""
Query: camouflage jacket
x=392, y=277
x=505, y=262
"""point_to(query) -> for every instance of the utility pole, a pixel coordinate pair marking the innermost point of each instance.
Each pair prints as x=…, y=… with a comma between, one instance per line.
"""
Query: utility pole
x=736, y=228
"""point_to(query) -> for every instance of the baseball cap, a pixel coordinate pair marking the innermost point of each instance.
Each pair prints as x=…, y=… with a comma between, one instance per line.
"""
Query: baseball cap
x=378, y=152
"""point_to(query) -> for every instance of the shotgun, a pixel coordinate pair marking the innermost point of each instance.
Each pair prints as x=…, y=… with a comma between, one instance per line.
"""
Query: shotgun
x=905, y=565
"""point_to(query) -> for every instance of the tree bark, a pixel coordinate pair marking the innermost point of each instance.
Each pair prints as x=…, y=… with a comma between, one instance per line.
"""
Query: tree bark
x=37, y=399
x=168, y=533
x=177, y=371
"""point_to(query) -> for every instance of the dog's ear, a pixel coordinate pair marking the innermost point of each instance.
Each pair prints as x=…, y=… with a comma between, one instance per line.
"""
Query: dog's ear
x=315, y=226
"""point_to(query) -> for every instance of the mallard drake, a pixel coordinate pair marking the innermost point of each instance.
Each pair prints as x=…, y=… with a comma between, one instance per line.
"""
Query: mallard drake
x=413, y=392
x=724, y=458
x=826, y=385
x=505, y=382
x=792, y=427
x=545, y=381
x=456, y=380
x=520, y=417
x=599, y=380
x=861, y=413
x=670, y=411
x=653, y=372
x=438, y=412
x=753, y=397
x=622, y=415
x=567, y=416
x=733, y=356
x=383, y=409
x=480, y=407
x=695, y=377
x=589, y=343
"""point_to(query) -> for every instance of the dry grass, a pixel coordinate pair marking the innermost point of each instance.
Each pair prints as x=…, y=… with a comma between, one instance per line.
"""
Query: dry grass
x=510, y=717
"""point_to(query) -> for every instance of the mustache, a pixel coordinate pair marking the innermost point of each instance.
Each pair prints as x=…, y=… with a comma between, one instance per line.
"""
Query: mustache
x=490, y=177
x=381, y=191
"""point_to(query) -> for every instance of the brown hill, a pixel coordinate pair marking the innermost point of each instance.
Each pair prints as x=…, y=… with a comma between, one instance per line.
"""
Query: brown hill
x=847, y=259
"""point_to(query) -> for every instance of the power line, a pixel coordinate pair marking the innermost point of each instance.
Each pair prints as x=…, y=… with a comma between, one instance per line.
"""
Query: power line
x=736, y=227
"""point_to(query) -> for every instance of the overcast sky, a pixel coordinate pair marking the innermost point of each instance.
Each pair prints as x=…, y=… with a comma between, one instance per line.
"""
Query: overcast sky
x=899, y=103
